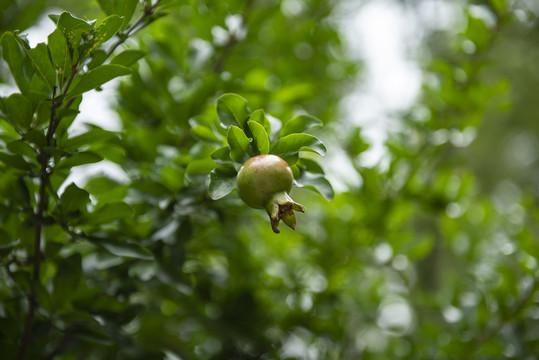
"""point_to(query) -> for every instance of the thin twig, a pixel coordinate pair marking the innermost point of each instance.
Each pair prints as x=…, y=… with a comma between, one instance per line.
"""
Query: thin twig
x=44, y=176
x=232, y=41
x=133, y=28
x=41, y=204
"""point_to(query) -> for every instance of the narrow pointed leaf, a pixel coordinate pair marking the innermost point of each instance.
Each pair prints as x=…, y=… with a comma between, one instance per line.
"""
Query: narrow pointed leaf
x=13, y=55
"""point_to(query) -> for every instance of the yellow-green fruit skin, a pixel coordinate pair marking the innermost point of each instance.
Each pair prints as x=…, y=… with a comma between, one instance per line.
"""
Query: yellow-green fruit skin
x=261, y=177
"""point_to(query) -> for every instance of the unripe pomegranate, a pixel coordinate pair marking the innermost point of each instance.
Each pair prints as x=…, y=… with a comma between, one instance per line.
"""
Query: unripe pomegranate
x=264, y=182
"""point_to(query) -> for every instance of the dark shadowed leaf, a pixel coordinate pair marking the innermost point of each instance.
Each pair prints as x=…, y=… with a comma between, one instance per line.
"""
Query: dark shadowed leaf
x=110, y=211
x=66, y=280
x=81, y=158
x=19, y=111
x=123, y=248
x=74, y=198
x=13, y=55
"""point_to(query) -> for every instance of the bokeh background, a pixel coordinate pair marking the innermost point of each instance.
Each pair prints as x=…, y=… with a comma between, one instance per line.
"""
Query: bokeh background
x=429, y=248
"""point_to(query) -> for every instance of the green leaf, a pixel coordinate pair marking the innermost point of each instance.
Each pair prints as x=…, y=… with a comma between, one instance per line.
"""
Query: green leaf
x=13, y=55
x=74, y=198
x=238, y=143
x=42, y=64
x=93, y=136
x=98, y=58
x=221, y=155
x=59, y=51
x=97, y=77
x=123, y=248
x=260, y=137
x=311, y=165
x=73, y=29
x=19, y=111
x=110, y=211
x=232, y=110
x=21, y=147
x=67, y=279
x=300, y=124
x=81, y=158
x=107, y=29
x=260, y=117
x=204, y=133
x=124, y=8
x=203, y=166
x=15, y=161
x=222, y=181
x=316, y=183
x=128, y=57
x=293, y=143
x=103, y=32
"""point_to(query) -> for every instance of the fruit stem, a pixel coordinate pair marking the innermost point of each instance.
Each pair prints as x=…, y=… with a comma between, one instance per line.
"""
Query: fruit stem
x=281, y=207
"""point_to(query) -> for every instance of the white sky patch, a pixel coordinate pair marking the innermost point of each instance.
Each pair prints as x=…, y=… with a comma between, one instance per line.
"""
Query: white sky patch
x=382, y=33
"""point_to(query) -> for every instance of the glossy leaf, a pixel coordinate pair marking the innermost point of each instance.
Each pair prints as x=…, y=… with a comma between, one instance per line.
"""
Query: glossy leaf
x=222, y=181
x=42, y=64
x=316, y=183
x=14, y=56
x=300, y=124
x=232, y=110
x=128, y=57
x=97, y=77
x=59, y=51
x=19, y=111
x=204, y=133
x=260, y=117
x=260, y=137
x=293, y=143
x=238, y=143
x=221, y=155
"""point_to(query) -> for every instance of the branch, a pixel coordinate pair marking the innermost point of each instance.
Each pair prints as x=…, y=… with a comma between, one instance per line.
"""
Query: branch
x=521, y=305
x=148, y=11
x=220, y=62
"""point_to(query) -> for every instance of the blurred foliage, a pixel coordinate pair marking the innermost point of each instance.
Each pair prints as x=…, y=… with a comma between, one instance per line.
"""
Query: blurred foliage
x=431, y=256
